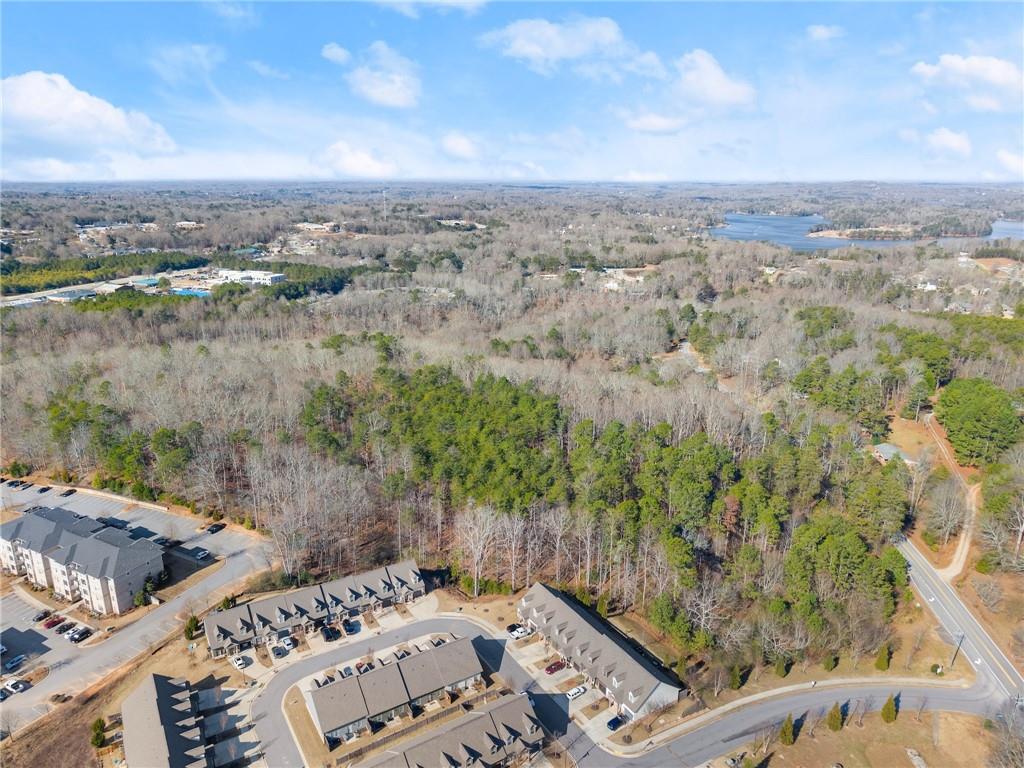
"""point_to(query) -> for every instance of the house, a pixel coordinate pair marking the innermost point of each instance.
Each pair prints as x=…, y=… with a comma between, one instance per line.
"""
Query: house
x=263, y=621
x=503, y=733
x=886, y=452
x=79, y=558
x=162, y=726
x=633, y=684
x=107, y=288
x=349, y=706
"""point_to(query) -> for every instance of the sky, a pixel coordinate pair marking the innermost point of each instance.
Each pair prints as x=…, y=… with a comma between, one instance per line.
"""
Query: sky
x=470, y=90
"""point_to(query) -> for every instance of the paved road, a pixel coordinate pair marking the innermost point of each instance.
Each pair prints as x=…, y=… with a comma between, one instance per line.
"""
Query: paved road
x=978, y=648
x=73, y=668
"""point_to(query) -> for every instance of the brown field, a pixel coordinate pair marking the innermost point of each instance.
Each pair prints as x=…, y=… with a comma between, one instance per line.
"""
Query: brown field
x=1008, y=617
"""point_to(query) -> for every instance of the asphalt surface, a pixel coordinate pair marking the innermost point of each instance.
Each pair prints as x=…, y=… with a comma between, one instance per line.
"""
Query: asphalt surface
x=73, y=667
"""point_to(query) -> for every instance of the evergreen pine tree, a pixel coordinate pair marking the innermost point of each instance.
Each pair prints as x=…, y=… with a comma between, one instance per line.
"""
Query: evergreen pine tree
x=786, y=734
x=735, y=677
x=889, y=710
x=882, y=659
x=835, y=718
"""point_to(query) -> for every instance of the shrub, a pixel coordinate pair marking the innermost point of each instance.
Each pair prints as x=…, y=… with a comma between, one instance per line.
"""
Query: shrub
x=986, y=564
x=882, y=659
x=830, y=662
x=834, y=721
x=602, y=605
x=786, y=733
x=735, y=677
x=191, y=626
x=99, y=725
x=889, y=710
x=930, y=539
x=140, y=598
x=98, y=739
x=17, y=469
x=937, y=670
x=781, y=666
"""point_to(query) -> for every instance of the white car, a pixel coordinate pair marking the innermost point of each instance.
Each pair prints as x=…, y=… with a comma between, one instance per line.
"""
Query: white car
x=288, y=643
x=576, y=692
x=519, y=633
x=202, y=554
x=239, y=662
x=16, y=686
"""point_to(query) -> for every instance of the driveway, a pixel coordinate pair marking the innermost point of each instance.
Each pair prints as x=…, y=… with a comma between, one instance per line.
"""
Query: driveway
x=77, y=668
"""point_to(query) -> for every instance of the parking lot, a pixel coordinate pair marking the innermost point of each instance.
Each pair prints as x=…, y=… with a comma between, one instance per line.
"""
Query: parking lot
x=72, y=667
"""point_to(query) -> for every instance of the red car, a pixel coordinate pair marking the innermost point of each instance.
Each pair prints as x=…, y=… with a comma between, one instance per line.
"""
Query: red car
x=53, y=621
x=555, y=666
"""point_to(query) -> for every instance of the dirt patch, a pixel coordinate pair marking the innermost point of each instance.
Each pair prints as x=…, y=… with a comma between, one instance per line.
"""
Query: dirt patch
x=593, y=710
x=943, y=740
x=8, y=513
x=657, y=722
x=497, y=611
x=571, y=683
x=911, y=437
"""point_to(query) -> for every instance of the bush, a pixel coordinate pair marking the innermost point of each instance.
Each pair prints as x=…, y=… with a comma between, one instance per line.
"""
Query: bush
x=602, y=605
x=17, y=469
x=889, y=710
x=227, y=602
x=986, y=564
x=786, y=733
x=582, y=595
x=99, y=725
x=937, y=670
x=140, y=598
x=98, y=739
x=191, y=627
x=781, y=666
x=834, y=721
x=930, y=539
x=735, y=677
x=882, y=659
x=830, y=662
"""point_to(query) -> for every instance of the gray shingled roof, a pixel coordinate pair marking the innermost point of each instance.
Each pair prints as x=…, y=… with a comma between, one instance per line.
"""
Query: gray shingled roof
x=107, y=554
x=160, y=728
x=383, y=689
x=597, y=648
x=41, y=528
x=338, y=704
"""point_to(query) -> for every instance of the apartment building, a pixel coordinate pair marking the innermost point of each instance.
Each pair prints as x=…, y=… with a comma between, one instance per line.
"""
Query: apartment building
x=633, y=683
x=79, y=558
x=163, y=727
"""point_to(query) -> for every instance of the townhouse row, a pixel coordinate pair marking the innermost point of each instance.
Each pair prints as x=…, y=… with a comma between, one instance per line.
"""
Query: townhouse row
x=79, y=558
x=261, y=622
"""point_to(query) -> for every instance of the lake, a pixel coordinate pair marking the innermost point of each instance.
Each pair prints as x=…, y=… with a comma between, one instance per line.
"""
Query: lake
x=791, y=231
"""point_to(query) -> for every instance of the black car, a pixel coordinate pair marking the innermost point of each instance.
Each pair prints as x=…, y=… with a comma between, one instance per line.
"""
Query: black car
x=44, y=489
x=80, y=635
x=69, y=492
x=14, y=483
x=42, y=615
x=26, y=486
x=329, y=634
x=216, y=528
x=615, y=723
x=60, y=629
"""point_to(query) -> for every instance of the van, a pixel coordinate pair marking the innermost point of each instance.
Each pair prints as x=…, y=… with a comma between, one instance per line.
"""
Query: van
x=16, y=662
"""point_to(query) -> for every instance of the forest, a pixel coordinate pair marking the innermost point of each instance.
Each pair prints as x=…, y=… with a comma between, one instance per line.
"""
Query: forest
x=587, y=389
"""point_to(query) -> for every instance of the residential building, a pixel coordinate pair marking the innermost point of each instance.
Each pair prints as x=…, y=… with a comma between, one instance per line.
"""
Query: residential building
x=359, y=703
x=79, y=558
x=262, y=621
x=633, y=683
x=503, y=733
x=162, y=726
x=886, y=452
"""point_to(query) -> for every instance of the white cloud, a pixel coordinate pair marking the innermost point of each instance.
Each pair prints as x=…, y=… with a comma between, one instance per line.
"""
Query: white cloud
x=346, y=160
x=595, y=45
x=460, y=146
x=185, y=63
x=265, y=70
x=42, y=107
x=945, y=141
x=387, y=78
x=702, y=78
x=411, y=8
x=991, y=84
x=821, y=33
x=1012, y=162
x=652, y=122
x=236, y=14
x=334, y=52
x=909, y=135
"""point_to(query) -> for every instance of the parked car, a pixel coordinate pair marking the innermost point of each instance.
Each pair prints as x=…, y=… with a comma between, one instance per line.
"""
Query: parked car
x=82, y=634
x=43, y=614
x=288, y=643
x=16, y=686
x=615, y=723
x=555, y=666
x=202, y=554
x=346, y=672
x=71, y=630
x=576, y=692
x=62, y=628
x=69, y=492
x=16, y=662
x=328, y=634
x=3, y=694
x=161, y=541
x=239, y=661
x=278, y=651
x=512, y=628
x=216, y=528
x=52, y=622
x=350, y=627
x=520, y=632
x=44, y=489
x=26, y=486
x=14, y=483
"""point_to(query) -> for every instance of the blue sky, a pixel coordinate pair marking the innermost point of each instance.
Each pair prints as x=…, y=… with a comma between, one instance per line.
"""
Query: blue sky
x=513, y=91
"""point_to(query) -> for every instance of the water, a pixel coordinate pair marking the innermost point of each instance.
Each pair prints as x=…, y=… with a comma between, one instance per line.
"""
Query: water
x=190, y=292
x=791, y=231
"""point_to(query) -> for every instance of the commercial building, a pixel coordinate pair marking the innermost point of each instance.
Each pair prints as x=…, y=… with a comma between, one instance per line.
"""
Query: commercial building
x=79, y=558
x=352, y=705
x=634, y=685
x=503, y=733
x=248, y=277
x=162, y=726
x=261, y=622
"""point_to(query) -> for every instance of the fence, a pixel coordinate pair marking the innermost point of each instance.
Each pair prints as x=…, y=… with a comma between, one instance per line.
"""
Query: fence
x=466, y=705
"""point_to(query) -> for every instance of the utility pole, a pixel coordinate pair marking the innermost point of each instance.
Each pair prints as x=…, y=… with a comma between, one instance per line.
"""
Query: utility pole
x=956, y=650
